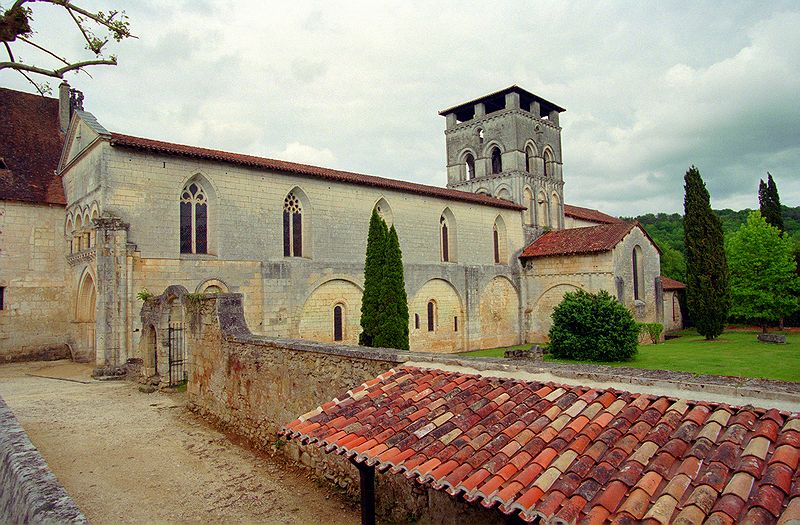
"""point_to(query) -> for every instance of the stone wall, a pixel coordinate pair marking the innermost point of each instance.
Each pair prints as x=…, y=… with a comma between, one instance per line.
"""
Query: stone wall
x=34, y=320
x=252, y=386
x=29, y=491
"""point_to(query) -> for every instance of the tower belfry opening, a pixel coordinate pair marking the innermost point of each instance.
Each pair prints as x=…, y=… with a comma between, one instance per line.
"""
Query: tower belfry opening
x=508, y=144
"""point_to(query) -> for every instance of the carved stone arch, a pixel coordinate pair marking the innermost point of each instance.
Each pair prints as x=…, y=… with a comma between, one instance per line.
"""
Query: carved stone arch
x=503, y=191
x=499, y=313
x=449, y=319
x=198, y=215
x=202, y=178
x=542, y=210
x=384, y=209
x=316, y=317
x=85, y=316
x=531, y=152
x=548, y=162
x=483, y=191
x=306, y=222
x=468, y=157
x=69, y=227
x=212, y=286
x=494, y=143
x=448, y=236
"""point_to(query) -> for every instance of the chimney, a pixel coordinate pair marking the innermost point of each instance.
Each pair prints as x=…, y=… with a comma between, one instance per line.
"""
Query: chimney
x=64, y=112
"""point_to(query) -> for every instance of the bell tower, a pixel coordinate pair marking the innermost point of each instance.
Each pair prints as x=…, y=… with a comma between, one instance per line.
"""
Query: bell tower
x=507, y=144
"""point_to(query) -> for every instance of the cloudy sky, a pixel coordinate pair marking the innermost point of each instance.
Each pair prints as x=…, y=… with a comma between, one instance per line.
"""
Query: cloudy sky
x=650, y=88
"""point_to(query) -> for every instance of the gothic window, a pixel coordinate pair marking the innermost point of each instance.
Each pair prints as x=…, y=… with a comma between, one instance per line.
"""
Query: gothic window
x=194, y=219
x=638, y=274
x=337, y=323
x=496, y=242
x=470, y=166
x=292, y=226
x=445, y=241
x=548, y=163
x=431, y=316
x=497, y=161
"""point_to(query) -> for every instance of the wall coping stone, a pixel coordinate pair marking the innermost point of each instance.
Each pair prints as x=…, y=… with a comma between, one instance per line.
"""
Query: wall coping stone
x=29, y=491
x=230, y=313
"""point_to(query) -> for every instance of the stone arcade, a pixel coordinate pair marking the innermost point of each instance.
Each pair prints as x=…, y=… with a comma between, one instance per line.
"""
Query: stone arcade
x=486, y=259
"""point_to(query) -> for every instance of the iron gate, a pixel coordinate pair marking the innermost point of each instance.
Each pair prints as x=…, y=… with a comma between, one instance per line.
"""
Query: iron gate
x=178, y=355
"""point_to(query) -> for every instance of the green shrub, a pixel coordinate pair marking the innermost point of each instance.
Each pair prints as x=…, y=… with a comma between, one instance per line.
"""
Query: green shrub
x=593, y=327
x=652, y=330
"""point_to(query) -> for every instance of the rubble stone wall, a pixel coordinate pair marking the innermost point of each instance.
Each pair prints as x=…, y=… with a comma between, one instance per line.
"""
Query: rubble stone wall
x=29, y=491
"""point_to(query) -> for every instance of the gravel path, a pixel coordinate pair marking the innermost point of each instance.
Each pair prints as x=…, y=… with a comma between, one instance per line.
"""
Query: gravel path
x=129, y=457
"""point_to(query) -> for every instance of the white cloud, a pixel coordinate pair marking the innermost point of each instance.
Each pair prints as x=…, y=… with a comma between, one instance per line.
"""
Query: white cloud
x=305, y=154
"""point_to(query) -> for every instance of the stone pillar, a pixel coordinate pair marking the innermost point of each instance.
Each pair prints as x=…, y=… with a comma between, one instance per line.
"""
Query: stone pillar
x=480, y=110
x=472, y=326
x=512, y=101
x=112, y=292
x=659, y=301
x=451, y=120
x=536, y=109
x=553, y=117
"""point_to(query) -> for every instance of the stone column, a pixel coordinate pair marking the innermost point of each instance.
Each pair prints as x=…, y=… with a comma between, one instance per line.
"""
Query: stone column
x=512, y=101
x=111, y=339
x=553, y=117
x=480, y=110
x=451, y=120
x=536, y=109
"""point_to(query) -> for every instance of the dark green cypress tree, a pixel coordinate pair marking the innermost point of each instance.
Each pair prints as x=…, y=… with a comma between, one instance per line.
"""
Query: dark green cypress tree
x=393, y=328
x=372, y=300
x=769, y=202
x=707, y=289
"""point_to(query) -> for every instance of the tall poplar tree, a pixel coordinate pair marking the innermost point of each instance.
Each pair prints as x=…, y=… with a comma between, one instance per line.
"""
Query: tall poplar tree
x=393, y=327
x=707, y=290
x=372, y=299
x=769, y=202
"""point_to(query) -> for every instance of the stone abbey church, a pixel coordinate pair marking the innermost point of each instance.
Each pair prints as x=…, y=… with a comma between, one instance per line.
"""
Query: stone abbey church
x=90, y=218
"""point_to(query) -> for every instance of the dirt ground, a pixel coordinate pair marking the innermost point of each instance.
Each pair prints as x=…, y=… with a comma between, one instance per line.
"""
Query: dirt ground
x=129, y=457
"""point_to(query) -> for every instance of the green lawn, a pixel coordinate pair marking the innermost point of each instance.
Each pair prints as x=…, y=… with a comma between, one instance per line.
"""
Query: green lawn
x=733, y=354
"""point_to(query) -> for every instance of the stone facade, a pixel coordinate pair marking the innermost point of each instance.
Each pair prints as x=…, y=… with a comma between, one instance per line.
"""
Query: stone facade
x=36, y=311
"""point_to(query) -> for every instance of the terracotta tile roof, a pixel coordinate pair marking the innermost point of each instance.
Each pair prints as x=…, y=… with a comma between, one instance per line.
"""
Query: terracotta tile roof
x=571, y=241
x=588, y=214
x=305, y=169
x=568, y=454
x=30, y=147
x=671, y=284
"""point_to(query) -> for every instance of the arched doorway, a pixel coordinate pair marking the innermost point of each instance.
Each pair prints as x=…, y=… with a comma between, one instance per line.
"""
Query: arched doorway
x=85, y=315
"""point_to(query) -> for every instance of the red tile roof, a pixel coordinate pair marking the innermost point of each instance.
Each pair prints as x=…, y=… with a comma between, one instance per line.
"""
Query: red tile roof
x=565, y=453
x=671, y=284
x=30, y=147
x=588, y=214
x=591, y=239
x=305, y=169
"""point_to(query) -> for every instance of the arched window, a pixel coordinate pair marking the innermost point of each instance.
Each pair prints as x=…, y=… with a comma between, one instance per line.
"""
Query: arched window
x=541, y=210
x=638, y=272
x=496, y=241
x=416, y=321
x=555, y=210
x=338, y=332
x=431, y=316
x=529, y=159
x=470, y=161
x=445, y=239
x=497, y=161
x=480, y=135
x=292, y=226
x=194, y=219
x=499, y=242
x=548, y=163
x=527, y=198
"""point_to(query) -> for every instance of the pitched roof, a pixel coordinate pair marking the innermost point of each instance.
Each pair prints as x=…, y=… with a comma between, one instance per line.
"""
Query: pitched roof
x=120, y=140
x=671, y=284
x=591, y=239
x=30, y=147
x=588, y=214
x=526, y=97
x=565, y=453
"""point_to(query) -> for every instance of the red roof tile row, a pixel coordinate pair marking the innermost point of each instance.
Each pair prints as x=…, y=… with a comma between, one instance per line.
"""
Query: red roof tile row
x=305, y=169
x=568, y=454
x=588, y=214
x=30, y=148
x=671, y=284
x=572, y=241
